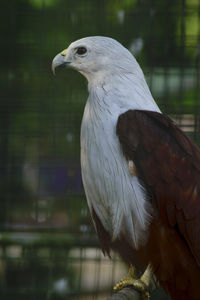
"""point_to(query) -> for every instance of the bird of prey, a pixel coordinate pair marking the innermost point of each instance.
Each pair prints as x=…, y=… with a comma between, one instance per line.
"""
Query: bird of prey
x=141, y=173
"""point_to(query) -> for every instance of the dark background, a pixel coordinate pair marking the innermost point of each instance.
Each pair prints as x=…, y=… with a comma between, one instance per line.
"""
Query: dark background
x=47, y=244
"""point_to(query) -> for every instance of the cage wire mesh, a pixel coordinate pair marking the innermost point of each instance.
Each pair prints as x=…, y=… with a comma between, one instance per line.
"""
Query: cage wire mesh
x=48, y=248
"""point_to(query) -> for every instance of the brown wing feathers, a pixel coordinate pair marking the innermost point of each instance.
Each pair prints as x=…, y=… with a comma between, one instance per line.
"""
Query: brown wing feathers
x=168, y=163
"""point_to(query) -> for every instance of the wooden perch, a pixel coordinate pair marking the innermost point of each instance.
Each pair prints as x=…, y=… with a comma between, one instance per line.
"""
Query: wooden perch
x=127, y=293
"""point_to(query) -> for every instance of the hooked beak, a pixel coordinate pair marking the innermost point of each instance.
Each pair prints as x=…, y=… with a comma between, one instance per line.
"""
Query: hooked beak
x=59, y=61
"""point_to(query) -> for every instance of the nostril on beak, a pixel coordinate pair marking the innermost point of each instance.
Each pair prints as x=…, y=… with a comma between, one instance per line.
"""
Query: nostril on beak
x=64, y=53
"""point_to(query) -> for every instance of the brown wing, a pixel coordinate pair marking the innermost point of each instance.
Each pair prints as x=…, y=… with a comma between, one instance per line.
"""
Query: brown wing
x=168, y=163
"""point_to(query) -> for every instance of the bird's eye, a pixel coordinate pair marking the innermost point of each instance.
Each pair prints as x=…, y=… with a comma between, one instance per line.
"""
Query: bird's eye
x=81, y=50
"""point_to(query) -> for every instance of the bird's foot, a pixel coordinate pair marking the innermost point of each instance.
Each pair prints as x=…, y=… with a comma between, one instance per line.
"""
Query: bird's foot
x=141, y=284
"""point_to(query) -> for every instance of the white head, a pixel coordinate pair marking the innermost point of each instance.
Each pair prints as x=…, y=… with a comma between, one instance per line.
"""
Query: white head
x=96, y=57
x=108, y=65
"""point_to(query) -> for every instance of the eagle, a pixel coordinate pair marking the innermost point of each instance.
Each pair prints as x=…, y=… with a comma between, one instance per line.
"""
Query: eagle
x=141, y=173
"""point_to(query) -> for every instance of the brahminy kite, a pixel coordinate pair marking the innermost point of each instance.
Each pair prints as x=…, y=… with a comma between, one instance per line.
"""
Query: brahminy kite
x=141, y=173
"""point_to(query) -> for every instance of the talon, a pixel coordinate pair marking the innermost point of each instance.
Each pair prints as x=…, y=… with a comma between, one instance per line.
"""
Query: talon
x=146, y=296
x=140, y=285
x=125, y=281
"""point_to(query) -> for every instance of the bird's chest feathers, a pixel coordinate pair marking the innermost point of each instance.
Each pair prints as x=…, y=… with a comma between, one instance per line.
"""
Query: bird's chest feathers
x=98, y=140
x=111, y=190
x=99, y=154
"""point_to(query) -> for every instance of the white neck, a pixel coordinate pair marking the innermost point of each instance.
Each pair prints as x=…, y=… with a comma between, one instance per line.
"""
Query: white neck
x=124, y=89
x=106, y=178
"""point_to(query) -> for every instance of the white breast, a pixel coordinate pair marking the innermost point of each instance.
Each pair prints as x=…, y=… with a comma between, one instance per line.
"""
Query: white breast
x=115, y=194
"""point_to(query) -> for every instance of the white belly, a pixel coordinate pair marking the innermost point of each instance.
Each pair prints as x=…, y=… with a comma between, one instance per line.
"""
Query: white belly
x=116, y=196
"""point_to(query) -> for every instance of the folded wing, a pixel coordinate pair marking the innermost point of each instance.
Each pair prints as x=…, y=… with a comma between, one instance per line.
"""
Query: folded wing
x=168, y=164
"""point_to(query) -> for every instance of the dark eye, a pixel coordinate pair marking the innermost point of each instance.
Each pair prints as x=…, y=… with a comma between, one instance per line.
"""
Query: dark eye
x=81, y=50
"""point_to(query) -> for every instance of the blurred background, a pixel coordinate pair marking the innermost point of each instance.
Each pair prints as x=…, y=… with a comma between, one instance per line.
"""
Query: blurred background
x=48, y=248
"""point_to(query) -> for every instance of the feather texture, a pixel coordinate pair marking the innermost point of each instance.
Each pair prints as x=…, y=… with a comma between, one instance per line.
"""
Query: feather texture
x=117, y=197
x=170, y=171
x=167, y=162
